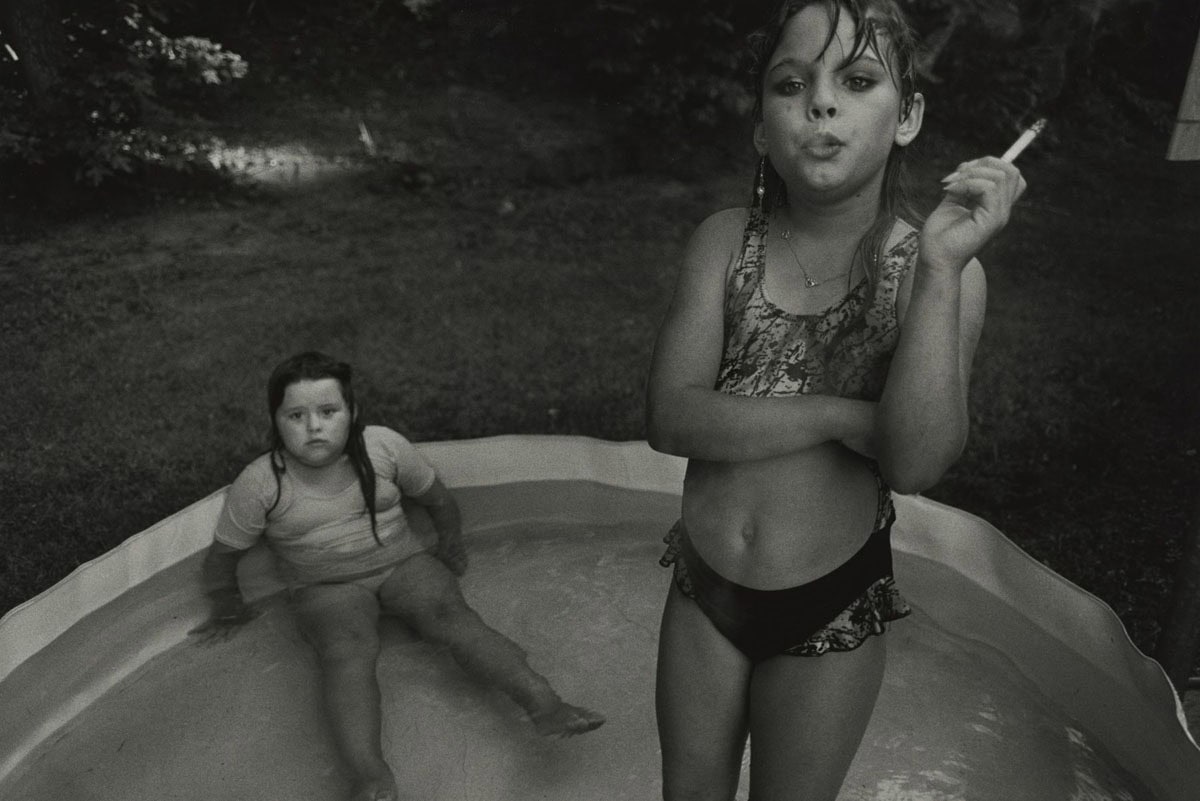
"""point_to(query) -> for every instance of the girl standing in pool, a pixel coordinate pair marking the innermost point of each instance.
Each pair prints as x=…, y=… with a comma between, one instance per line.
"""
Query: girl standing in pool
x=327, y=498
x=816, y=353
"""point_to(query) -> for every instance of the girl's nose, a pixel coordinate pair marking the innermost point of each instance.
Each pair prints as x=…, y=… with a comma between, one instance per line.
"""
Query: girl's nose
x=823, y=101
x=314, y=422
x=822, y=111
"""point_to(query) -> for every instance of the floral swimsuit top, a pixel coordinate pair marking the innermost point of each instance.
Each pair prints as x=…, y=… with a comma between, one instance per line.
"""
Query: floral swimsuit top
x=845, y=350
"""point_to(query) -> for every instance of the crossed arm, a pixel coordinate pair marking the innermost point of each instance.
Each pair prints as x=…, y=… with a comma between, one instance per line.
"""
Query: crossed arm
x=685, y=416
x=918, y=428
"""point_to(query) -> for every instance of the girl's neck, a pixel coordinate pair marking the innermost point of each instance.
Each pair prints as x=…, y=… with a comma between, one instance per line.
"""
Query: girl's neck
x=314, y=476
x=845, y=219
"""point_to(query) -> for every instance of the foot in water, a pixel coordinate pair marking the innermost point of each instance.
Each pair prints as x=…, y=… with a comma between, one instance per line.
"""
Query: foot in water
x=564, y=720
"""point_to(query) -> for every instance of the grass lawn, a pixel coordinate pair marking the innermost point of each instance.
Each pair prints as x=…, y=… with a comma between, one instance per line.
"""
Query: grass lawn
x=516, y=287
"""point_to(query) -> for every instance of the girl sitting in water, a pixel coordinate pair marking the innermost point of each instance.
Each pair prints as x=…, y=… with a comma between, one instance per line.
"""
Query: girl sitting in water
x=327, y=498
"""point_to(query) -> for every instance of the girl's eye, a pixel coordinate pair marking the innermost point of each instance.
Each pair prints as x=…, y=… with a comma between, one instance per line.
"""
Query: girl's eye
x=294, y=415
x=790, y=86
x=858, y=83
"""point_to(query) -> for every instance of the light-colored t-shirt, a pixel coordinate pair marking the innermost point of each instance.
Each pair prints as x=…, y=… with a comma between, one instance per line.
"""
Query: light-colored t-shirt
x=328, y=537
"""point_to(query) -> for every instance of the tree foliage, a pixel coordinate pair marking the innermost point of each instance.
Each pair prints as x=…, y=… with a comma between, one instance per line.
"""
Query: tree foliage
x=128, y=94
x=990, y=64
x=123, y=100
x=666, y=60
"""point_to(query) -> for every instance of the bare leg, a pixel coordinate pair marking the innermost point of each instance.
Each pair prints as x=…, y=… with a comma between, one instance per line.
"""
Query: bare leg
x=701, y=700
x=425, y=593
x=807, y=718
x=339, y=621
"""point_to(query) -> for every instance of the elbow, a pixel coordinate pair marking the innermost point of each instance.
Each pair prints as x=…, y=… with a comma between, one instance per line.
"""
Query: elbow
x=913, y=459
x=913, y=472
x=670, y=434
x=660, y=437
x=908, y=481
x=908, y=476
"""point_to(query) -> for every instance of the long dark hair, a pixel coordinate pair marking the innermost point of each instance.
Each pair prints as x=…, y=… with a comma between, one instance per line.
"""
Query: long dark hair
x=313, y=366
x=873, y=20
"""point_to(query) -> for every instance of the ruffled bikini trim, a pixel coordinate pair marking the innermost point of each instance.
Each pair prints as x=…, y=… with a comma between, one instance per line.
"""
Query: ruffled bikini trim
x=863, y=618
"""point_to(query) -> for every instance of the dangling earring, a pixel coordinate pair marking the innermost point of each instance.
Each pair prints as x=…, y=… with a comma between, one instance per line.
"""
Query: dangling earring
x=760, y=184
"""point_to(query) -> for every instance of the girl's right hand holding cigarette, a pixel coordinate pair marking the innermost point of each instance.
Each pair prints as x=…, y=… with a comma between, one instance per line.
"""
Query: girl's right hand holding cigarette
x=979, y=198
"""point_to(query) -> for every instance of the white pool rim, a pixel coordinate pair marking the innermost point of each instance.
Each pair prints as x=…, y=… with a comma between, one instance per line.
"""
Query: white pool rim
x=1122, y=696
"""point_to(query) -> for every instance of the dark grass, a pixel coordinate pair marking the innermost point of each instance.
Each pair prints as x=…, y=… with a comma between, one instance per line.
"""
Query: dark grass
x=1084, y=439
x=500, y=299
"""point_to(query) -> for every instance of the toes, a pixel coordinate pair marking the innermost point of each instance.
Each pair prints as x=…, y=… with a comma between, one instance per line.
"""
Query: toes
x=566, y=721
x=586, y=720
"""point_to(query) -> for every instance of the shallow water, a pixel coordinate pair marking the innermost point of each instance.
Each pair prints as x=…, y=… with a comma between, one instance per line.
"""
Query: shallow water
x=955, y=719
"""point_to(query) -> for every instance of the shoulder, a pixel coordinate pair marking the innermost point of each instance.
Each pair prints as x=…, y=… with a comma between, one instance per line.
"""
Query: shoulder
x=382, y=434
x=250, y=495
x=714, y=248
x=388, y=440
x=390, y=444
x=731, y=220
x=255, y=477
x=722, y=232
x=402, y=461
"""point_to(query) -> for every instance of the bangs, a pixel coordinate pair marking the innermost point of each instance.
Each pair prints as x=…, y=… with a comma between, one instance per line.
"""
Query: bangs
x=869, y=30
x=879, y=29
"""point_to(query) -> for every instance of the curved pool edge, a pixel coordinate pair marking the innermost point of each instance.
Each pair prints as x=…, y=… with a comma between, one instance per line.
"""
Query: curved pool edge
x=1104, y=680
x=1114, y=680
x=490, y=461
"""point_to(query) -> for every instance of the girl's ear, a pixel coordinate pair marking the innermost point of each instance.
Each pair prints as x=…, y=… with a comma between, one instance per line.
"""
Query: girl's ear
x=760, y=139
x=910, y=126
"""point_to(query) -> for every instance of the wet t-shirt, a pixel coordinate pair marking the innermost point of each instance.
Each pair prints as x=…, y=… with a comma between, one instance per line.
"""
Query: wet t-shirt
x=325, y=537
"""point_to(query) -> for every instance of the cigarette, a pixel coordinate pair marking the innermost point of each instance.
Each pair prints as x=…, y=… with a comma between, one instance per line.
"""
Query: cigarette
x=1024, y=140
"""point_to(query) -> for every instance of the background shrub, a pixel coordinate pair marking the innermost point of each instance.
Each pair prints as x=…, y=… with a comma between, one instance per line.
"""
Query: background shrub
x=126, y=100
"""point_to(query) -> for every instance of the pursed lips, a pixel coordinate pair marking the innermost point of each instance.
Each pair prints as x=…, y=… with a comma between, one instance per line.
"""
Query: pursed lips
x=823, y=144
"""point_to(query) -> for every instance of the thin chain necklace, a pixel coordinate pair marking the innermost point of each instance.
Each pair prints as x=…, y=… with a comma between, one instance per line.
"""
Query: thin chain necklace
x=809, y=281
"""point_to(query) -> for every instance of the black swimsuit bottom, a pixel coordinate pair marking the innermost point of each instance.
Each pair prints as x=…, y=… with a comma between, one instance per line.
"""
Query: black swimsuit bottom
x=765, y=623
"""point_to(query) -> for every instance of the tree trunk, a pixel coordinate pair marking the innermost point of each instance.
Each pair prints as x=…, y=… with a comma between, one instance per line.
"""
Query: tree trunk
x=35, y=31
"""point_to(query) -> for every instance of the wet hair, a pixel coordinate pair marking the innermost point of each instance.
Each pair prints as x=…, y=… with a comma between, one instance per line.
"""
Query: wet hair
x=880, y=28
x=314, y=366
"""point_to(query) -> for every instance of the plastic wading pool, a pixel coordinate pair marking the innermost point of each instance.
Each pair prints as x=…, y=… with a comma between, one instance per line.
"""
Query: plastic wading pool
x=1007, y=682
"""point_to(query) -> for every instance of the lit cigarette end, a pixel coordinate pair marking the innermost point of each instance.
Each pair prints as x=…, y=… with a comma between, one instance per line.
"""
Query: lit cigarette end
x=1024, y=140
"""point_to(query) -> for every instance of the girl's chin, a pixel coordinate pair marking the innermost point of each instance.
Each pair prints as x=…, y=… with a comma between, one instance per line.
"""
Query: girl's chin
x=827, y=186
x=315, y=457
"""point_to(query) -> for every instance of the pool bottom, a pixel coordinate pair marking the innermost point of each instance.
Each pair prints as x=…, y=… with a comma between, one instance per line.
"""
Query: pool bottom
x=240, y=720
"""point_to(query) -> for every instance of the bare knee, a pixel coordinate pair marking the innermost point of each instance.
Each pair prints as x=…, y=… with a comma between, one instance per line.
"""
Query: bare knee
x=444, y=619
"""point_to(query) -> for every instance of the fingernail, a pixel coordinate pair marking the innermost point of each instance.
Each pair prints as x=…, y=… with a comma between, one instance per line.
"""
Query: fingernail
x=954, y=176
